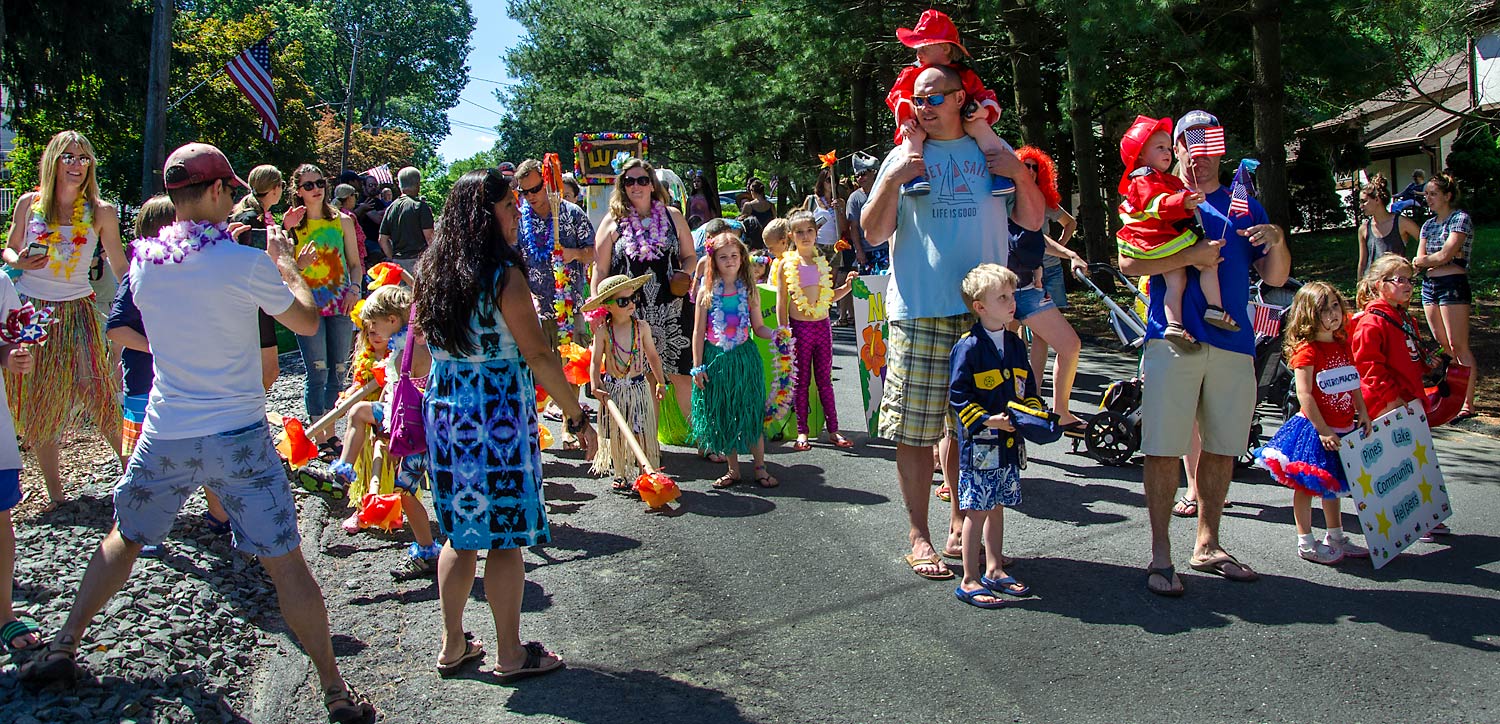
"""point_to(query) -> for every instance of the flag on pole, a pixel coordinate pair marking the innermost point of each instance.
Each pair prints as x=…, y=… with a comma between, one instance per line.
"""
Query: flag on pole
x=1204, y=141
x=1242, y=188
x=251, y=71
x=381, y=174
x=1266, y=319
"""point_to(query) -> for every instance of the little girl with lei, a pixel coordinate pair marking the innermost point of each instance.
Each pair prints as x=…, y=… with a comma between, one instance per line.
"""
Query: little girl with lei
x=804, y=292
x=623, y=353
x=729, y=386
x=1303, y=454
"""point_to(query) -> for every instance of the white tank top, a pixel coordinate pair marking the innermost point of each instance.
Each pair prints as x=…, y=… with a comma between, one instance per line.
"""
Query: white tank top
x=66, y=276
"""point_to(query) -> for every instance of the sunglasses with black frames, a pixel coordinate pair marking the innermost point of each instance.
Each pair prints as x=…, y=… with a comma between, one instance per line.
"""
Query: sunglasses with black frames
x=318, y=184
x=629, y=181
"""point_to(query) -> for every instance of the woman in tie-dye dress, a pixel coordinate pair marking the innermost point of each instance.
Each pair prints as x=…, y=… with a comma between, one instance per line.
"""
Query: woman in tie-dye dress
x=480, y=415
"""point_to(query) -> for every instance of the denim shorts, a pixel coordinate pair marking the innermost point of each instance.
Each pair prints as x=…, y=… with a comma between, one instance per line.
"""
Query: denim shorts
x=1446, y=291
x=1032, y=300
x=240, y=466
x=10, y=489
x=1052, y=282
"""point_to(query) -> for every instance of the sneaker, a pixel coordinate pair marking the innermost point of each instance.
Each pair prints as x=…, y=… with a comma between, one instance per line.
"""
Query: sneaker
x=343, y=472
x=1320, y=553
x=1436, y=532
x=1001, y=186
x=413, y=568
x=1347, y=547
x=214, y=525
x=919, y=187
x=320, y=478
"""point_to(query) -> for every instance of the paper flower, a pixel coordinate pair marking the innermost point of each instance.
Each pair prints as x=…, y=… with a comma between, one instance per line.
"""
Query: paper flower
x=383, y=274
x=576, y=362
x=619, y=161
x=842, y=245
x=829, y=159
x=656, y=489
x=293, y=443
x=872, y=352
x=380, y=511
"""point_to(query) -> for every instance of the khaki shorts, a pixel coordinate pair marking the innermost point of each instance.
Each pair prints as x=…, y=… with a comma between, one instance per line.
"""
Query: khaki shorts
x=1213, y=386
x=914, y=406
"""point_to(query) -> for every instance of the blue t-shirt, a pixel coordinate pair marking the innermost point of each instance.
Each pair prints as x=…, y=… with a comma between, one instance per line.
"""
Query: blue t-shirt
x=137, y=364
x=940, y=237
x=1234, y=279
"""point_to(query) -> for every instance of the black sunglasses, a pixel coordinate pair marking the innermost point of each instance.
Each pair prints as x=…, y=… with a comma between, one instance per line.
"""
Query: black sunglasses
x=319, y=184
x=533, y=189
x=1032, y=165
x=624, y=302
x=636, y=181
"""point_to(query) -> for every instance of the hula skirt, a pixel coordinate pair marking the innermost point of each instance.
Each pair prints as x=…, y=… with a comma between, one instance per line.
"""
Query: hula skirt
x=634, y=396
x=1296, y=458
x=72, y=377
x=729, y=410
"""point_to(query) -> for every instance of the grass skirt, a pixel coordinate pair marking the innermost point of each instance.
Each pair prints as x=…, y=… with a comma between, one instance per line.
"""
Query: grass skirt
x=1296, y=458
x=637, y=403
x=728, y=413
x=72, y=377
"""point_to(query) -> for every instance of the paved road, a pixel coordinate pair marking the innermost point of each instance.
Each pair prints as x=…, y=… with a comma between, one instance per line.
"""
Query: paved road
x=793, y=605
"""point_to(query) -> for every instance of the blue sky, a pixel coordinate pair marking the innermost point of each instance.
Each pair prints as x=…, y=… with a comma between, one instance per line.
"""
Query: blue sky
x=494, y=33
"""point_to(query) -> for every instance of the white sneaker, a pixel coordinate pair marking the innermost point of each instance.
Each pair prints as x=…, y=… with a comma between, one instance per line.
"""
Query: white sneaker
x=1347, y=547
x=1320, y=553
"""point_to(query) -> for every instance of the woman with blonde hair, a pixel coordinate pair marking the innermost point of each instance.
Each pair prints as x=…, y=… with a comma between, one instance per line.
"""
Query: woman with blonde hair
x=254, y=211
x=53, y=233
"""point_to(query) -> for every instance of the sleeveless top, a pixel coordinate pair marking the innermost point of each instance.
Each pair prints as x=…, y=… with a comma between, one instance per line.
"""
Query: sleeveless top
x=1376, y=245
x=326, y=274
x=489, y=332
x=66, y=276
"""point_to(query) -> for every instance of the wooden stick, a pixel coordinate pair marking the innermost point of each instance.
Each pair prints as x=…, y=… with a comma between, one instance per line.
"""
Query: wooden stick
x=342, y=409
x=635, y=445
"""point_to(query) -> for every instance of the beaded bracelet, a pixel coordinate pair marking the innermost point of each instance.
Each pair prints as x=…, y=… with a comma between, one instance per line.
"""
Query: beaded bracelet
x=700, y=369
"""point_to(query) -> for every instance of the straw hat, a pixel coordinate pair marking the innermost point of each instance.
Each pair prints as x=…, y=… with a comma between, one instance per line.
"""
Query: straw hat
x=612, y=286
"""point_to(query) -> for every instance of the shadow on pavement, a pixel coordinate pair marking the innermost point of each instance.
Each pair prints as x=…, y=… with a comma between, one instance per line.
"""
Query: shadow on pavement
x=591, y=696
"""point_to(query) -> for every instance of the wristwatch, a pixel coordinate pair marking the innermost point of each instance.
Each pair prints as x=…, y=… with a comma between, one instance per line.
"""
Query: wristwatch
x=574, y=425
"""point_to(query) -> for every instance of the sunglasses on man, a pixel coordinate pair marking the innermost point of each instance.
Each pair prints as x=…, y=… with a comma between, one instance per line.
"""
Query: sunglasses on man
x=931, y=99
x=534, y=189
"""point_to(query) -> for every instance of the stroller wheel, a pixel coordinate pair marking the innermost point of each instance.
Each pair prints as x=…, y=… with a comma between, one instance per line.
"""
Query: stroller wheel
x=1111, y=438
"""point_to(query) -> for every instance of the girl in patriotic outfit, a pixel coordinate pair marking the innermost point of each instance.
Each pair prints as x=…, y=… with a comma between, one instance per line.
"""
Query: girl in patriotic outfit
x=1159, y=221
x=53, y=234
x=623, y=355
x=729, y=385
x=804, y=292
x=1303, y=455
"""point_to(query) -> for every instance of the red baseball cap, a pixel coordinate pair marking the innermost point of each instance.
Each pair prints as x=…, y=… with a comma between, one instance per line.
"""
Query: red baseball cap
x=1135, y=140
x=198, y=163
x=932, y=28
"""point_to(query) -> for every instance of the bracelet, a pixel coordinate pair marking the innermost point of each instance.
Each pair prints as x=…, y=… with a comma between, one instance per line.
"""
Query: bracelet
x=700, y=369
x=576, y=425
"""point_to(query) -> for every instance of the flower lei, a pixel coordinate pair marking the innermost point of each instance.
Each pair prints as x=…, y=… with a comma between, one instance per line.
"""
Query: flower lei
x=790, y=261
x=729, y=336
x=177, y=240
x=645, y=242
x=79, y=223
x=783, y=375
x=540, y=244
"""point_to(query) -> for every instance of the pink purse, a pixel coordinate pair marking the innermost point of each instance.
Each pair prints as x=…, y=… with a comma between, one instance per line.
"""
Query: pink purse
x=407, y=430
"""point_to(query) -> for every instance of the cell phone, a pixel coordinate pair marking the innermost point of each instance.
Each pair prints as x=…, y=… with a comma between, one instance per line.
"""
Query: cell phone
x=256, y=238
x=36, y=249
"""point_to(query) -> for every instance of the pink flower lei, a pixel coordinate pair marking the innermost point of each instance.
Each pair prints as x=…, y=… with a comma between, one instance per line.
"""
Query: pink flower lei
x=177, y=240
x=645, y=242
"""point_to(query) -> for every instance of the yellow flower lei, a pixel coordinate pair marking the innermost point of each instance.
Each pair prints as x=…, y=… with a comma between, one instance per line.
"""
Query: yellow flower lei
x=790, y=273
x=80, y=223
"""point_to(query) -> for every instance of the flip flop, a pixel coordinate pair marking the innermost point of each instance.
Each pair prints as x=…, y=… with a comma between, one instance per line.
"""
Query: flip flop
x=1181, y=508
x=1076, y=428
x=1007, y=584
x=1218, y=566
x=841, y=441
x=1168, y=573
x=16, y=629
x=802, y=446
x=726, y=480
x=532, y=667
x=914, y=561
x=763, y=477
x=969, y=596
x=472, y=652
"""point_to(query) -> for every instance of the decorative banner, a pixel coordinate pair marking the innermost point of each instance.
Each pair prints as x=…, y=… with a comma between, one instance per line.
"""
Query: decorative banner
x=1396, y=482
x=594, y=152
x=871, y=331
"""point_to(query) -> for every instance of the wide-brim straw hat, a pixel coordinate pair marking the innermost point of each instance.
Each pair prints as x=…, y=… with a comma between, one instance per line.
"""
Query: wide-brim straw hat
x=612, y=286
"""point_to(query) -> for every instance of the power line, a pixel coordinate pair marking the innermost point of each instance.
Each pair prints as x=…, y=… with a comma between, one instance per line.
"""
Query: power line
x=496, y=82
x=476, y=105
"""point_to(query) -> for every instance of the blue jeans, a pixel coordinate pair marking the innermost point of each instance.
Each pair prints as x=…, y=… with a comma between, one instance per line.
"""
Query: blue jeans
x=327, y=349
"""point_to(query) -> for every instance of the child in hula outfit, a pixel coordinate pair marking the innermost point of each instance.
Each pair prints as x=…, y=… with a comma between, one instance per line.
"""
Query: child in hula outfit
x=624, y=352
x=805, y=291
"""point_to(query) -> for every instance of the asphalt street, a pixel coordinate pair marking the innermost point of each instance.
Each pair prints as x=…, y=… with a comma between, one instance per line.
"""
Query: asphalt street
x=793, y=605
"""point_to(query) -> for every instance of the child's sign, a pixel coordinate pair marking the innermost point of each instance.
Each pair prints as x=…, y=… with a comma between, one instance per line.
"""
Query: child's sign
x=1396, y=481
x=871, y=330
x=594, y=154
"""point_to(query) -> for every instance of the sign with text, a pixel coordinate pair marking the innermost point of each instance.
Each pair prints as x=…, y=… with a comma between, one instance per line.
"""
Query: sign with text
x=594, y=154
x=871, y=330
x=1396, y=481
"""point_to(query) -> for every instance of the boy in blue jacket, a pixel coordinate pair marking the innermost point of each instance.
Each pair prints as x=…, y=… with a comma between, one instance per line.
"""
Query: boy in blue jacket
x=989, y=368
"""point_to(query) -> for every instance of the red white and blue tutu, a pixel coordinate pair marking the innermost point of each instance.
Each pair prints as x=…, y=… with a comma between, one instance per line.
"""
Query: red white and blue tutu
x=1296, y=458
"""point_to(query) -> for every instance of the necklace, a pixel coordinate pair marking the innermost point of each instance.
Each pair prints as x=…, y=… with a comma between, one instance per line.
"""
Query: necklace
x=79, y=223
x=540, y=245
x=728, y=314
x=645, y=241
x=177, y=240
x=791, y=263
x=626, y=362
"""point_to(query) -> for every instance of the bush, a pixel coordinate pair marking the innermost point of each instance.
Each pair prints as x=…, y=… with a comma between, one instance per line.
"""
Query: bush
x=1475, y=160
x=1315, y=203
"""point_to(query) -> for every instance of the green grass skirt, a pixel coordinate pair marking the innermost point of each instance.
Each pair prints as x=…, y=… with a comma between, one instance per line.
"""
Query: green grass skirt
x=727, y=414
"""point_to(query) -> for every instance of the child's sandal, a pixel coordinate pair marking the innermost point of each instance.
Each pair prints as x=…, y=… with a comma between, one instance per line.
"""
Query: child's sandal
x=1217, y=317
x=763, y=477
x=1180, y=338
x=725, y=480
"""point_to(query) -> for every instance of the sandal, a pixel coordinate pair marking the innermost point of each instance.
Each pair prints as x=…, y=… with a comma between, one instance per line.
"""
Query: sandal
x=17, y=628
x=944, y=573
x=1168, y=573
x=841, y=441
x=56, y=665
x=713, y=457
x=472, y=652
x=970, y=597
x=1180, y=338
x=801, y=446
x=1185, y=508
x=355, y=710
x=944, y=493
x=1217, y=317
x=216, y=526
x=1219, y=566
x=533, y=665
x=763, y=477
x=1005, y=584
x=621, y=486
x=725, y=480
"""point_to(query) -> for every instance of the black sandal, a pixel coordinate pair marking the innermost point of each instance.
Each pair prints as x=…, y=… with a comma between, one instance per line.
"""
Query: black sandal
x=533, y=665
x=56, y=665
x=355, y=710
x=1167, y=572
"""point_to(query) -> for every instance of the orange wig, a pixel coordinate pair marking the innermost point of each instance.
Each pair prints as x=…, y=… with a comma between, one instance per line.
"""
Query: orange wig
x=1046, y=173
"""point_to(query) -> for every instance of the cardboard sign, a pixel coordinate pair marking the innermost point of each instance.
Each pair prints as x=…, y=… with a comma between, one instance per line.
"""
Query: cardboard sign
x=1396, y=481
x=871, y=332
x=594, y=154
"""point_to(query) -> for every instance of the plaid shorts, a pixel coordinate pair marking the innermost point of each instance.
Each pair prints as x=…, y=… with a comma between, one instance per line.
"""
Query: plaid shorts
x=914, y=406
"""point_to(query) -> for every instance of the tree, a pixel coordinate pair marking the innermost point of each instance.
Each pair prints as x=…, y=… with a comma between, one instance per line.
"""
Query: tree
x=367, y=148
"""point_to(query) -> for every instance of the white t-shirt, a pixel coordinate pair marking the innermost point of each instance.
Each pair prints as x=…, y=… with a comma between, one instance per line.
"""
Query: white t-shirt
x=205, y=338
x=10, y=453
x=828, y=224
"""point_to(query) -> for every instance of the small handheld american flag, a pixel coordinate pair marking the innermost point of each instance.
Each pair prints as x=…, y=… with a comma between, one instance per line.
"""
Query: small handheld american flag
x=1203, y=141
x=1265, y=319
x=1243, y=187
x=381, y=174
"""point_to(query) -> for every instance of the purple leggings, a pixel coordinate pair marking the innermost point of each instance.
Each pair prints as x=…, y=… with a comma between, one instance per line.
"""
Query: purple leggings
x=814, y=357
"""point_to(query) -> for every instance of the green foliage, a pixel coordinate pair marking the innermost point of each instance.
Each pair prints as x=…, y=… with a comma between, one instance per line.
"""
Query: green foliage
x=1315, y=203
x=438, y=178
x=1475, y=160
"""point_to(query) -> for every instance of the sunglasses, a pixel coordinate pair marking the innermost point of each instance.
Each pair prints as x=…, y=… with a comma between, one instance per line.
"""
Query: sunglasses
x=1031, y=165
x=637, y=181
x=310, y=185
x=533, y=189
x=932, y=99
x=624, y=302
x=69, y=159
x=1397, y=280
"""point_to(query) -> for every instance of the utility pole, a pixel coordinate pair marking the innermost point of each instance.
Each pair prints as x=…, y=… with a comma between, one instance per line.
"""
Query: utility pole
x=154, y=151
x=349, y=100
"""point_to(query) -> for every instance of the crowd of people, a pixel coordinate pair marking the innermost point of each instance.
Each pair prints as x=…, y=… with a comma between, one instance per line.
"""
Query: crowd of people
x=437, y=337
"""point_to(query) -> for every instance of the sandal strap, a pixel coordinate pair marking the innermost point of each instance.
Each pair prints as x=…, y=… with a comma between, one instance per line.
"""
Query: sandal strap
x=534, y=653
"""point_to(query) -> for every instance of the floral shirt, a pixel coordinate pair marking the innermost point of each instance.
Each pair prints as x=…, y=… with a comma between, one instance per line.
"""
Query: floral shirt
x=576, y=232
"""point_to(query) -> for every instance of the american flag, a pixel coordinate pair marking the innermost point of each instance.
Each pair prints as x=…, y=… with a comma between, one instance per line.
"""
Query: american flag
x=381, y=174
x=1266, y=319
x=1204, y=141
x=251, y=71
x=1242, y=188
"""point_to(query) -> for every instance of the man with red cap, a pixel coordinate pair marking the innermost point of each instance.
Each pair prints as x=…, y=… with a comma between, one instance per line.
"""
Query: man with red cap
x=205, y=424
